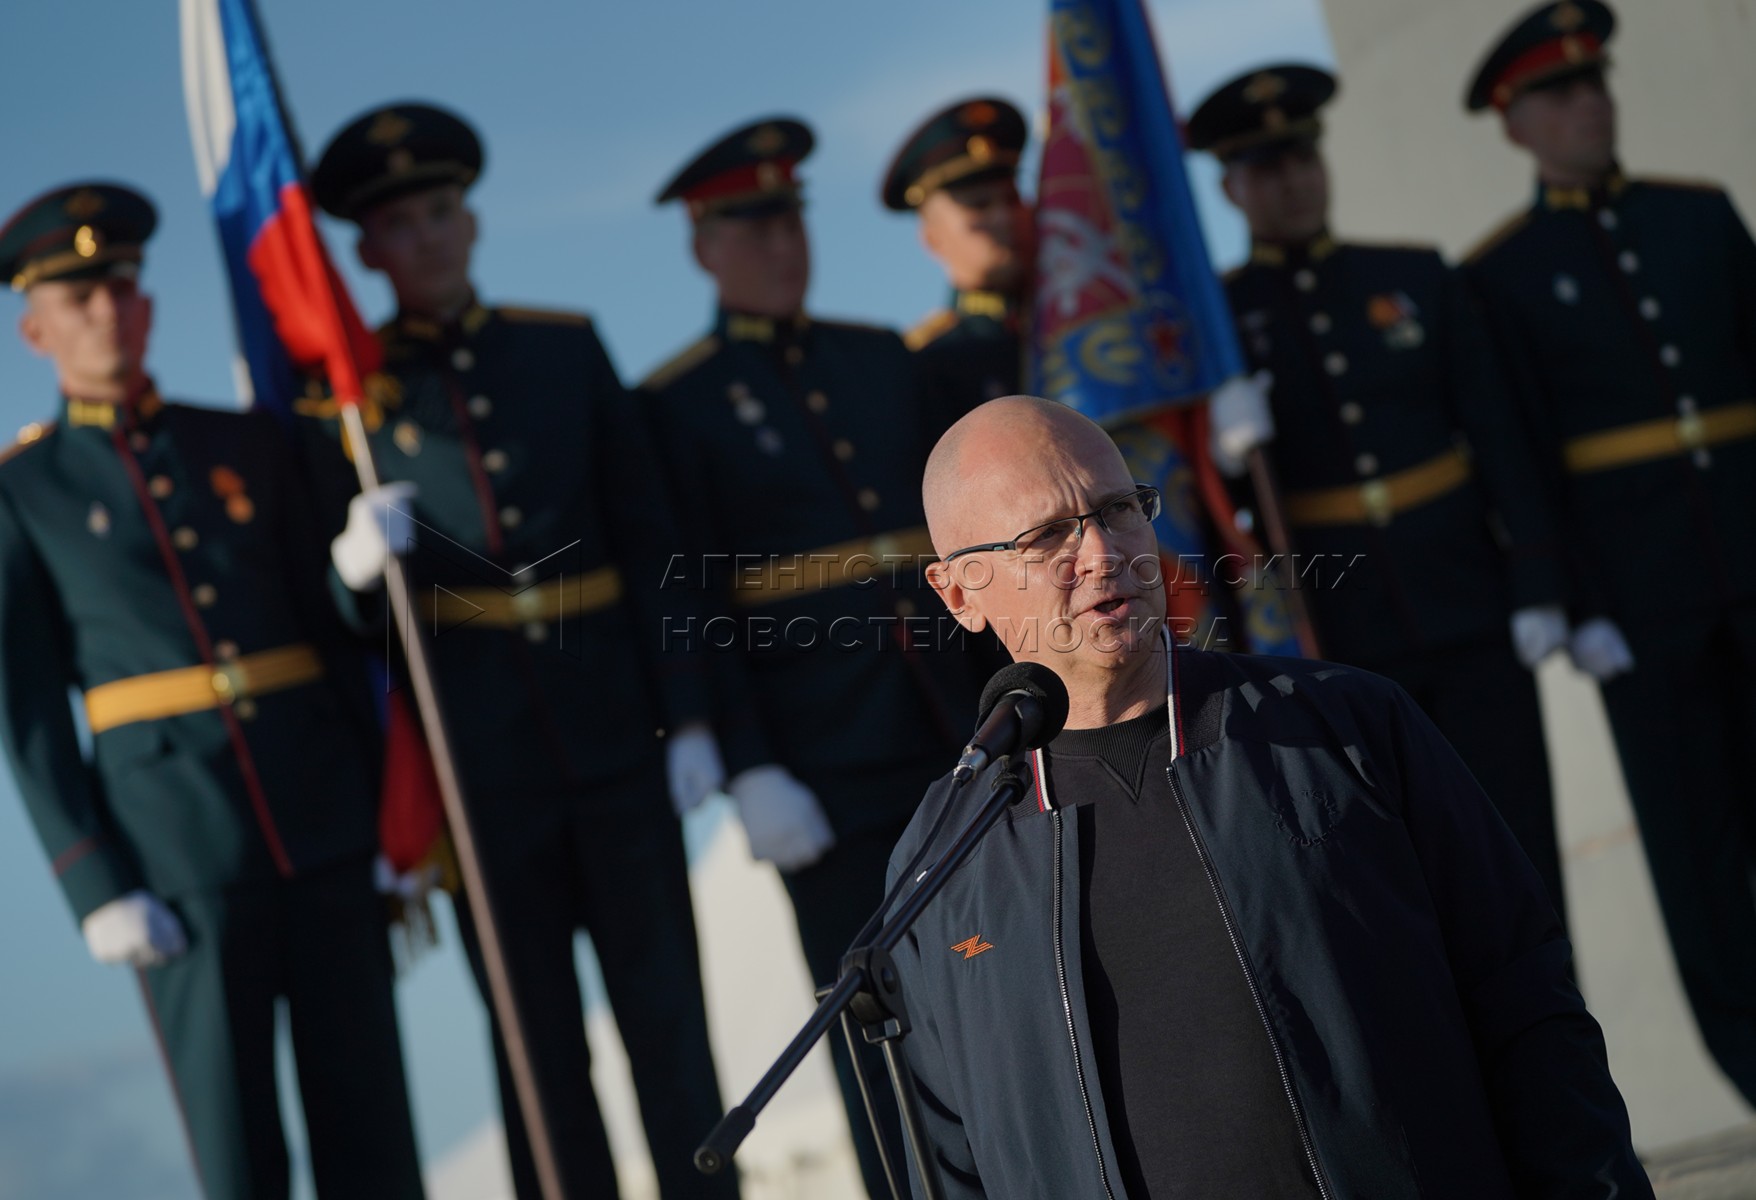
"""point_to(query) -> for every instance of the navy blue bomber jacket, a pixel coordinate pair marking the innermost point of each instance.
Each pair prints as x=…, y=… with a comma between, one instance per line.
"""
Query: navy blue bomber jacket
x=1413, y=977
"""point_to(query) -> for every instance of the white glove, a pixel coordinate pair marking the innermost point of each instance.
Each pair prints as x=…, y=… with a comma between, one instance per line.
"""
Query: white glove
x=1598, y=649
x=408, y=887
x=1538, y=632
x=135, y=929
x=379, y=524
x=692, y=766
x=1240, y=420
x=782, y=819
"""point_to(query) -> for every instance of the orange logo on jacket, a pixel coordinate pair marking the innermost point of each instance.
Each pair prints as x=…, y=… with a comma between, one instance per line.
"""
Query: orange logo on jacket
x=971, y=947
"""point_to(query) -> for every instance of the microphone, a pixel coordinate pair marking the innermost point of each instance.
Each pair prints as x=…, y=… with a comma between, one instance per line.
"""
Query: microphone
x=1023, y=707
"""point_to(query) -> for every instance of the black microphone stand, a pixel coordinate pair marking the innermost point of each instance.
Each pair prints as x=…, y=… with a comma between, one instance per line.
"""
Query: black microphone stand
x=869, y=989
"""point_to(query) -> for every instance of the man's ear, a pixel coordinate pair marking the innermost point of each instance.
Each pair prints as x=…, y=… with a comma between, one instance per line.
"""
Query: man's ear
x=1512, y=125
x=701, y=245
x=1228, y=182
x=30, y=328
x=943, y=578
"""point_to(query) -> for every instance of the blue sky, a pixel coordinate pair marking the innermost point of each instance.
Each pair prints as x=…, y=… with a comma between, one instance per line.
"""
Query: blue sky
x=586, y=108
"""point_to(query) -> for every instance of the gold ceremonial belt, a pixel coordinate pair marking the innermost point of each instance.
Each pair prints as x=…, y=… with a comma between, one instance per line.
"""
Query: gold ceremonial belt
x=858, y=560
x=1376, y=501
x=197, y=689
x=1661, y=438
x=551, y=600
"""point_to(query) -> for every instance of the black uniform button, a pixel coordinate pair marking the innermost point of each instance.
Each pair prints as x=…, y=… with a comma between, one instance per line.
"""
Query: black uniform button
x=479, y=407
x=185, y=538
x=1352, y=413
x=904, y=607
x=511, y=518
x=817, y=402
x=869, y=499
x=1669, y=355
x=204, y=595
x=1649, y=308
x=138, y=442
x=1320, y=323
x=245, y=708
x=536, y=631
x=225, y=649
x=160, y=486
x=494, y=461
x=1366, y=464
x=462, y=359
x=844, y=449
x=1606, y=218
x=1335, y=363
x=1628, y=261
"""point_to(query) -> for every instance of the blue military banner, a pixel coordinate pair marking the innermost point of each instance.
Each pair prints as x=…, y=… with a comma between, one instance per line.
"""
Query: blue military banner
x=1131, y=327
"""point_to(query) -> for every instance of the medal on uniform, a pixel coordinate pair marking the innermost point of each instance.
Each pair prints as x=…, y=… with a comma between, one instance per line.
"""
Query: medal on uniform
x=98, y=520
x=228, y=485
x=1394, y=314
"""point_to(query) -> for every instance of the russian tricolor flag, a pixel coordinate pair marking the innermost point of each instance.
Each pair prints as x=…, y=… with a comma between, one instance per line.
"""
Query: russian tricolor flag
x=293, y=310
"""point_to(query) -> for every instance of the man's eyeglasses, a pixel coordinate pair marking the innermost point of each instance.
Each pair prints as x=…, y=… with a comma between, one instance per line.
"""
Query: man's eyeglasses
x=1125, y=514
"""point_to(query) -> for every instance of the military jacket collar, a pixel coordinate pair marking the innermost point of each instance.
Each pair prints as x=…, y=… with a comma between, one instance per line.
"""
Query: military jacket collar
x=414, y=327
x=1556, y=199
x=1264, y=253
x=734, y=326
x=139, y=413
x=976, y=305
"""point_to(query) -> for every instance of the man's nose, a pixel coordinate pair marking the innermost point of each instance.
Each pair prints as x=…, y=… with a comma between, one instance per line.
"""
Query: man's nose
x=1098, y=553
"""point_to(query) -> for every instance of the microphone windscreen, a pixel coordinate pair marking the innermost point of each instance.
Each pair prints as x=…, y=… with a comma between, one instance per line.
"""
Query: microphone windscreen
x=1036, y=680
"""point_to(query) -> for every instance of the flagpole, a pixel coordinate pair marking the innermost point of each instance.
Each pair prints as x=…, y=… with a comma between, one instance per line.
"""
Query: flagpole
x=502, y=994
x=1274, y=529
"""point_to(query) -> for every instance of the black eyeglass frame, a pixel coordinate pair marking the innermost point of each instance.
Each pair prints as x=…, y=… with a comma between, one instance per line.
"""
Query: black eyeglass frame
x=1150, y=502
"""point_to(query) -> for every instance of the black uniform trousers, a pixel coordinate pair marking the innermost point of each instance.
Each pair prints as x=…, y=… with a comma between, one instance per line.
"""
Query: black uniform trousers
x=1485, y=703
x=613, y=865
x=832, y=900
x=319, y=942
x=1685, y=726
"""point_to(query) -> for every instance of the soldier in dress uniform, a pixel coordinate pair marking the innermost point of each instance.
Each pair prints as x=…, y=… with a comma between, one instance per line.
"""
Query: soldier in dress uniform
x=1626, y=311
x=163, y=560
x=543, y=533
x=797, y=447
x=958, y=172
x=1406, y=478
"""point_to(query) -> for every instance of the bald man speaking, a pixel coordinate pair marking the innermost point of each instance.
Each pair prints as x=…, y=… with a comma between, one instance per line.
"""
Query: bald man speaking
x=1255, y=931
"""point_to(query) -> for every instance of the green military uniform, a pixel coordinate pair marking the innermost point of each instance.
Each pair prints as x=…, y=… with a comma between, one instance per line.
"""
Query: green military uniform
x=545, y=532
x=159, y=558
x=1627, y=315
x=1403, y=466
x=797, y=447
x=971, y=351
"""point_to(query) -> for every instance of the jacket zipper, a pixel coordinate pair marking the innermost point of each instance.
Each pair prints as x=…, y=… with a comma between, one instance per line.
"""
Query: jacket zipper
x=1067, y=1010
x=1225, y=912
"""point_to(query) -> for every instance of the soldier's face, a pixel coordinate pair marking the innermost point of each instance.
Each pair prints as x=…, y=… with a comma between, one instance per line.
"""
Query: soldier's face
x=980, y=233
x=1569, y=127
x=1284, y=197
x=760, y=264
x=422, y=243
x=94, y=330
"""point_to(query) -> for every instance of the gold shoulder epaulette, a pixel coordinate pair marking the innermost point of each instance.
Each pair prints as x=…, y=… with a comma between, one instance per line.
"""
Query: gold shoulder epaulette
x=1506, y=229
x=930, y=328
x=682, y=363
x=542, y=316
x=1686, y=185
x=30, y=435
